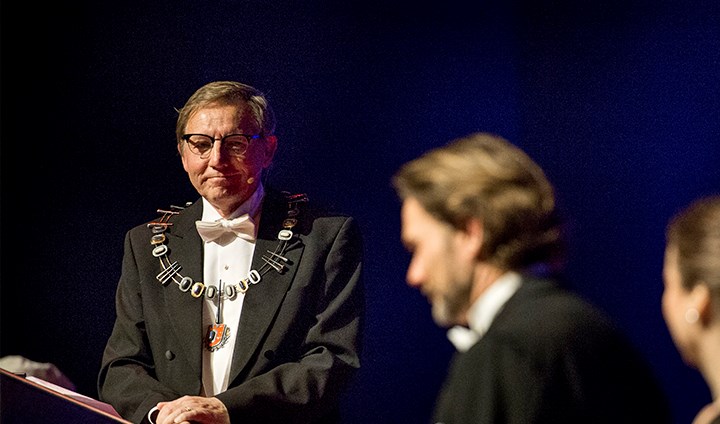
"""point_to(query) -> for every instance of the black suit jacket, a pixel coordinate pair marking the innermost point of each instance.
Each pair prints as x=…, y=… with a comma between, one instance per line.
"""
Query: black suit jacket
x=299, y=334
x=550, y=357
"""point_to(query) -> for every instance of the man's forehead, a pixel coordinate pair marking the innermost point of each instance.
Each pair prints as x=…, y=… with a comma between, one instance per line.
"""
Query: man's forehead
x=416, y=221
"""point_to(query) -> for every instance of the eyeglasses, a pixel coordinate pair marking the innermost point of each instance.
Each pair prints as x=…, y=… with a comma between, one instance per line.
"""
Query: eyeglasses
x=232, y=144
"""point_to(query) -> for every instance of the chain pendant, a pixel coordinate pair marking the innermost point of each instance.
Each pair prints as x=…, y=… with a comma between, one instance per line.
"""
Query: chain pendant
x=218, y=333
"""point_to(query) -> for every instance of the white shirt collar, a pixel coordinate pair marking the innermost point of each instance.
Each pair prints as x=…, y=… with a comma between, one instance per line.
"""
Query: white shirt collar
x=483, y=311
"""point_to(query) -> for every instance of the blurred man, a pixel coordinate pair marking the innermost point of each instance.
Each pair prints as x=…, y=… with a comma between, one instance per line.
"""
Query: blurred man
x=480, y=220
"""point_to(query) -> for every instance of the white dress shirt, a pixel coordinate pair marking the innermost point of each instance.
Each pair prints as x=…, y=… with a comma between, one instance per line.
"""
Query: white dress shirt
x=230, y=263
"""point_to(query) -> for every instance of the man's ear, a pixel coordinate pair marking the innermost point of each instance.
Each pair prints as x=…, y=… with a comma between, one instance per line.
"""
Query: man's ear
x=700, y=298
x=269, y=151
x=182, y=156
x=472, y=238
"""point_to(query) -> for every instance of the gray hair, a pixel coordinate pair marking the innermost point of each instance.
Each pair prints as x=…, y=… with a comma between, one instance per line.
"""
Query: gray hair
x=228, y=93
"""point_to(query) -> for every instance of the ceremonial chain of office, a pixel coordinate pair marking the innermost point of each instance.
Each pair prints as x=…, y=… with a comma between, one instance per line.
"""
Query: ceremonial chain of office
x=272, y=260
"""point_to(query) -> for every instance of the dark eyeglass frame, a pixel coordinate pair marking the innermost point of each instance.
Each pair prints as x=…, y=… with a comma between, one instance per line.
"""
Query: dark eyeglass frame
x=204, y=155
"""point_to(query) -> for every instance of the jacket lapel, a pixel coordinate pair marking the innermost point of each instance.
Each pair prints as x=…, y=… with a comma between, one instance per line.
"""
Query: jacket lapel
x=184, y=310
x=262, y=300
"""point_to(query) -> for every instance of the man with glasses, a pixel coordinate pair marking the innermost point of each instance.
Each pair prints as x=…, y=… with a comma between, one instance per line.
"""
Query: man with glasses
x=244, y=306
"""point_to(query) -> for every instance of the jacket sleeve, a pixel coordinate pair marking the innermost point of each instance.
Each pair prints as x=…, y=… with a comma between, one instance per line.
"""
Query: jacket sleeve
x=127, y=377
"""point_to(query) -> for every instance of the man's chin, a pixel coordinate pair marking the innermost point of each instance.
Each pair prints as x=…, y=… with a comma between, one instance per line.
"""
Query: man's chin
x=441, y=317
x=219, y=193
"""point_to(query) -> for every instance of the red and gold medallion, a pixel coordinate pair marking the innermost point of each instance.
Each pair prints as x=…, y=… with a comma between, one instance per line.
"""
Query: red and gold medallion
x=217, y=336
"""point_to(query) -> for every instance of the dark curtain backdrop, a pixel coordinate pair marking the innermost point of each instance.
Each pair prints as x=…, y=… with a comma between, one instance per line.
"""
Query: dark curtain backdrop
x=619, y=101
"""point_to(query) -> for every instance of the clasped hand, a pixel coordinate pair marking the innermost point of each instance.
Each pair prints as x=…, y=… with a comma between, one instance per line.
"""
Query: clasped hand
x=190, y=409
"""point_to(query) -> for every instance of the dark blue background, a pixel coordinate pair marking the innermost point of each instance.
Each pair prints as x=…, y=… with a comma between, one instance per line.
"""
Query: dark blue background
x=619, y=101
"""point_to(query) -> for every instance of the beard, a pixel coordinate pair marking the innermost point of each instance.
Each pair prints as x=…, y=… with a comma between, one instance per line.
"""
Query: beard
x=449, y=308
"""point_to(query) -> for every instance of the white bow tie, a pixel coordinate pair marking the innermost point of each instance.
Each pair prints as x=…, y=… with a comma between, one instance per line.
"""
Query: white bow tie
x=243, y=227
x=462, y=338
